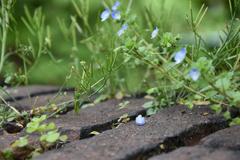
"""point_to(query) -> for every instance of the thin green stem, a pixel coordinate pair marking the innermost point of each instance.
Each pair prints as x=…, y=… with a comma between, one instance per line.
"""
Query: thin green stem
x=129, y=6
x=3, y=49
x=5, y=18
x=11, y=107
x=171, y=78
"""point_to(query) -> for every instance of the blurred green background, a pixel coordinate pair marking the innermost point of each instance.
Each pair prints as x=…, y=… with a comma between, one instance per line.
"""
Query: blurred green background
x=49, y=72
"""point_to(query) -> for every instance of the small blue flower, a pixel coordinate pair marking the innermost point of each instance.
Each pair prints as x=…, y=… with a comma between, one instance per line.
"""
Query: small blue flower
x=180, y=55
x=116, y=15
x=154, y=33
x=122, y=30
x=194, y=74
x=140, y=120
x=105, y=15
x=116, y=5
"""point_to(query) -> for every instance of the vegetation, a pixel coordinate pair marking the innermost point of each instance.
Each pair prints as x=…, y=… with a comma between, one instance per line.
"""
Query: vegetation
x=119, y=53
x=48, y=137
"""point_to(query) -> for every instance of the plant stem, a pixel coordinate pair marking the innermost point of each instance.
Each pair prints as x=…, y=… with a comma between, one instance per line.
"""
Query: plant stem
x=3, y=49
x=5, y=18
x=129, y=6
x=11, y=107
x=171, y=78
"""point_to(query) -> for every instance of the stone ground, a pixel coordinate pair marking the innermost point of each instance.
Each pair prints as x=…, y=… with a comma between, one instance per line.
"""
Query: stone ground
x=173, y=133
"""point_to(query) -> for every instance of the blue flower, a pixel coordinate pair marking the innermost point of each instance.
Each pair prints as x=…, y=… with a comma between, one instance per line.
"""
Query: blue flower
x=180, y=55
x=116, y=5
x=154, y=33
x=122, y=30
x=116, y=15
x=105, y=15
x=140, y=120
x=194, y=73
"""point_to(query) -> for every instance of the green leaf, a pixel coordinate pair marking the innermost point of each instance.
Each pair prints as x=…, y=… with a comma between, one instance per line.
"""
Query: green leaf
x=189, y=104
x=21, y=142
x=129, y=43
x=52, y=136
x=8, y=79
x=151, y=111
x=42, y=128
x=224, y=81
x=63, y=138
x=211, y=94
x=8, y=154
x=32, y=127
x=43, y=138
x=39, y=119
x=51, y=126
x=149, y=104
x=227, y=115
x=153, y=90
x=235, y=96
x=235, y=121
x=217, y=108
x=43, y=118
x=204, y=64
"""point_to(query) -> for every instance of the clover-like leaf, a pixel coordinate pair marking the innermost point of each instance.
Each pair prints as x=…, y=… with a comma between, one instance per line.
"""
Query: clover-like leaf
x=217, y=108
x=52, y=136
x=235, y=121
x=21, y=142
x=51, y=126
x=32, y=127
x=63, y=138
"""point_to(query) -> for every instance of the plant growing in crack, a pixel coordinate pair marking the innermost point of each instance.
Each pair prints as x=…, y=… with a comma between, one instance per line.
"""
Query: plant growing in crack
x=39, y=138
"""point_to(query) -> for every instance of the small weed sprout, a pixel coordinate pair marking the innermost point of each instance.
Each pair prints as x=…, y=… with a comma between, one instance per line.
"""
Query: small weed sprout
x=47, y=136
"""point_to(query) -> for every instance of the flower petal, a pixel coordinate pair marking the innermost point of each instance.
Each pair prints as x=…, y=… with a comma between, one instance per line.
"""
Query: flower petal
x=180, y=56
x=154, y=33
x=194, y=74
x=140, y=120
x=122, y=30
x=116, y=5
x=116, y=15
x=105, y=15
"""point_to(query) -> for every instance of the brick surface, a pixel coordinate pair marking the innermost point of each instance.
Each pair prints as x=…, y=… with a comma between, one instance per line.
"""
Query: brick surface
x=29, y=91
x=96, y=118
x=171, y=127
x=199, y=153
x=41, y=100
x=221, y=145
